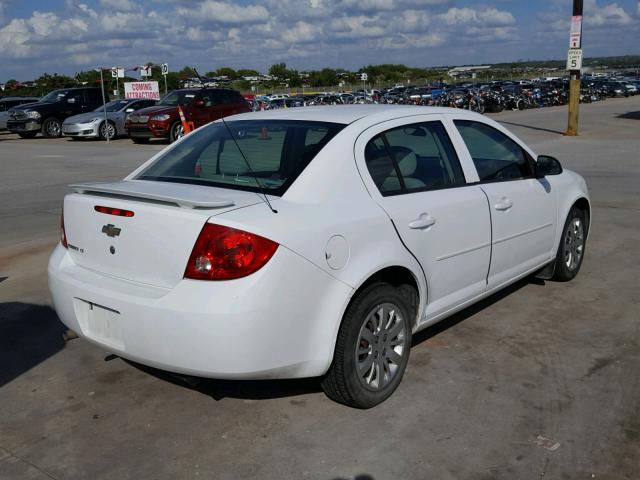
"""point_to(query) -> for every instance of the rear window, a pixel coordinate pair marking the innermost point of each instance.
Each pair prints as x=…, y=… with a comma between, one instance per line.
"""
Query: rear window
x=244, y=155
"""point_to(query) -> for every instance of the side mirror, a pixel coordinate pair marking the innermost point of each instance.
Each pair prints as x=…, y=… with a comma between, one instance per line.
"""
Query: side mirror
x=546, y=165
x=129, y=110
x=199, y=103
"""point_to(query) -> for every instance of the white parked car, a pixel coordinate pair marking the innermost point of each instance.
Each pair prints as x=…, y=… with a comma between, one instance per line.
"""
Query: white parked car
x=312, y=242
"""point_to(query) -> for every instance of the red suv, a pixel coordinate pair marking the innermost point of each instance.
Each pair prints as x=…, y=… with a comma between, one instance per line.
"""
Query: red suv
x=200, y=106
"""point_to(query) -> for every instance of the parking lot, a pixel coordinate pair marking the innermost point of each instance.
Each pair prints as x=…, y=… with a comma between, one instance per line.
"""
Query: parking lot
x=539, y=381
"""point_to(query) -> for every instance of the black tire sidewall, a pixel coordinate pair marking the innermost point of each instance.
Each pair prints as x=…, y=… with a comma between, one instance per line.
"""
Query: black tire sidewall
x=172, y=133
x=350, y=330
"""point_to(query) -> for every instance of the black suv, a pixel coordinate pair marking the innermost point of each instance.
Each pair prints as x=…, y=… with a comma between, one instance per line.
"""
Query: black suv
x=47, y=115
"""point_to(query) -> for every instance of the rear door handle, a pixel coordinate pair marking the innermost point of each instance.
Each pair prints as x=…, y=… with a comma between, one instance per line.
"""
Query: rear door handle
x=503, y=204
x=424, y=221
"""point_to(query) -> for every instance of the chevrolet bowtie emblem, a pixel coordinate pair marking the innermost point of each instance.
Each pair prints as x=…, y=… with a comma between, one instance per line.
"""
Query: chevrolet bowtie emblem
x=111, y=230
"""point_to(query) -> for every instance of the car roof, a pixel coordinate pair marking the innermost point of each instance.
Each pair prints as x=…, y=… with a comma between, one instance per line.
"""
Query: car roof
x=345, y=114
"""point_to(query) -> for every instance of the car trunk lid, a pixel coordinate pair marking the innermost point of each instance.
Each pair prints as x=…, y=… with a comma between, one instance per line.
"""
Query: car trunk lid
x=153, y=245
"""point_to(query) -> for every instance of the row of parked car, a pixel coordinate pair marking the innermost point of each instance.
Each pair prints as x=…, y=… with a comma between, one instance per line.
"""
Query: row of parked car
x=81, y=113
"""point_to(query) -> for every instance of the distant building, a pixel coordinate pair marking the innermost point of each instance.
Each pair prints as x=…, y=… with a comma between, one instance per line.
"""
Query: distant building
x=470, y=71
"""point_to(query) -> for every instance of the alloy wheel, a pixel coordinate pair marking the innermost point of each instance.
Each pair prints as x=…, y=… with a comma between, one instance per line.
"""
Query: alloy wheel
x=381, y=346
x=573, y=244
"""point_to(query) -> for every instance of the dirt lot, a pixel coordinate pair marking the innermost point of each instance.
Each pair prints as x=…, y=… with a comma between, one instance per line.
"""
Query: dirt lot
x=540, y=381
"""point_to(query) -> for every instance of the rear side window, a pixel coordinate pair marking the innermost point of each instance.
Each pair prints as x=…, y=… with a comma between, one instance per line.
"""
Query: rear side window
x=269, y=154
x=413, y=158
x=495, y=156
x=93, y=96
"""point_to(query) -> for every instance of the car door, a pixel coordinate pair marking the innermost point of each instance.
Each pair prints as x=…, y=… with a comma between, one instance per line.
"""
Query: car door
x=523, y=208
x=199, y=109
x=412, y=171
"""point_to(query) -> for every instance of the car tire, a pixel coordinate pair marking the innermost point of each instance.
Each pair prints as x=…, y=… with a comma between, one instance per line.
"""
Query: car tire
x=572, y=245
x=28, y=134
x=52, y=128
x=107, y=129
x=176, y=132
x=375, y=336
x=140, y=140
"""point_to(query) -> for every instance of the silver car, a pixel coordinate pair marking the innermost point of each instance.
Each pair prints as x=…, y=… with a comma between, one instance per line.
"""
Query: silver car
x=93, y=125
x=9, y=102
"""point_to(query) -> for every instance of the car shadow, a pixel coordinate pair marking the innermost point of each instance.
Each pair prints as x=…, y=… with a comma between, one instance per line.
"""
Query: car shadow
x=240, y=389
x=29, y=334
x=456, y=318
x=269, y=389
x=630, y=115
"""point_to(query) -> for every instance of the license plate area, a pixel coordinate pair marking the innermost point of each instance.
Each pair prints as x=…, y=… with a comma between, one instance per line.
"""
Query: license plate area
x=100, y=323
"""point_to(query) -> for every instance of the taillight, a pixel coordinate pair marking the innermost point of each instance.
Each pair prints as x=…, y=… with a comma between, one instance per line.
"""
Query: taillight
x=224, y=253
x=63, y=233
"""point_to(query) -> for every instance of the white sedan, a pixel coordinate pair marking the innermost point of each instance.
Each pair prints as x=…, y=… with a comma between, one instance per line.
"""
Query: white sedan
x=312, y=242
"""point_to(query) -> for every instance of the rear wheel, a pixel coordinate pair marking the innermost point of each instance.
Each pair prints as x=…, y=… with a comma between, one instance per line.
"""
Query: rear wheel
x=107, y=130
x=572, y=245
x=28, y=134
x=372, y=348
x=177, y=131
x=52, y=128
x=142, y=140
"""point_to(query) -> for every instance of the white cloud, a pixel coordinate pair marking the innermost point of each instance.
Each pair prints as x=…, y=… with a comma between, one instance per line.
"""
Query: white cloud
x=301, y=32
x=610, y=15
x=489, y=16
x=120, y=5
x=225, y=13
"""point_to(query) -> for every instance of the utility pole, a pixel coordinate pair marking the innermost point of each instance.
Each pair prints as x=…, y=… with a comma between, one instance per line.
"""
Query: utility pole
x=574, y=65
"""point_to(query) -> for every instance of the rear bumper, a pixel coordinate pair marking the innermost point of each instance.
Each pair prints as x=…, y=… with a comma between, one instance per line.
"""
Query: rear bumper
x=21, y=126
x=280, y=322
x=80, y=129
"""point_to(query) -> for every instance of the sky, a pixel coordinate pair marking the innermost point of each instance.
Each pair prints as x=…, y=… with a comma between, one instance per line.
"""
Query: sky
x=67, y=36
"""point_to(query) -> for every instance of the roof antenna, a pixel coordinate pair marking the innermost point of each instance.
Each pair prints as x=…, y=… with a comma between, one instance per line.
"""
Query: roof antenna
x=264, y=194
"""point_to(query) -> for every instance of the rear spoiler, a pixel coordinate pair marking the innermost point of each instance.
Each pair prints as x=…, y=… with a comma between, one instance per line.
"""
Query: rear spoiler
x=176, y=194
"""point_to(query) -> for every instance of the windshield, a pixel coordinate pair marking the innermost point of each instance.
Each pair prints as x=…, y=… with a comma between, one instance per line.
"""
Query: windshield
x=113, y=106
x=176, y=98
x=276, y=152
x=55, y=96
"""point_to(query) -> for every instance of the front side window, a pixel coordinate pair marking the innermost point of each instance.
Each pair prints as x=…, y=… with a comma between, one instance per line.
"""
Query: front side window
x=494, y=154
x=178, y=97
x=55, y=96
x=248, y=155
x=413, y=158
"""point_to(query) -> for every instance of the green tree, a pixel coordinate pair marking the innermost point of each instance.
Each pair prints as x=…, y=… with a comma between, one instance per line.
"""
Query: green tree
x=279, y=70
x=246, y=72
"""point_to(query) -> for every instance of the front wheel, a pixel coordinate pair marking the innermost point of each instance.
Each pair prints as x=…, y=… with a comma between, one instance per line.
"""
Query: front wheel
x=107, y=130
x=177, y=131
x=372, y=348
x=52, y=128
x=572, y=245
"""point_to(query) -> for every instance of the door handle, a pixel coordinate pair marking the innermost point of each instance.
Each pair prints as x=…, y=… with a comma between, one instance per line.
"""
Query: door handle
x=424, y=221
x=503, y=204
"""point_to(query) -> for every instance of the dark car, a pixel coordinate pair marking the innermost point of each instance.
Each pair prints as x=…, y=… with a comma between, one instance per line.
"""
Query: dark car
x=200, y=106
x=7, y=103
x=46, y=115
